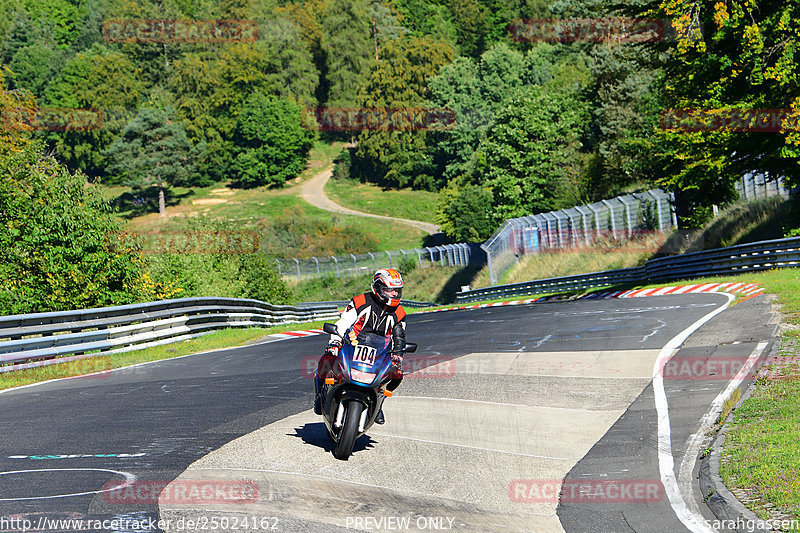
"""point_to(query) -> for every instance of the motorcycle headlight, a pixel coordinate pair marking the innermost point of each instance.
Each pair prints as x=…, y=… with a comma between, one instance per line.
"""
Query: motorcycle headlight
x=361, y=376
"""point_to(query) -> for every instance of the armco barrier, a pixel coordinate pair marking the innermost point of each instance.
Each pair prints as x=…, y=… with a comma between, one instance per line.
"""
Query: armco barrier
x=40, y=339
x=753, y=257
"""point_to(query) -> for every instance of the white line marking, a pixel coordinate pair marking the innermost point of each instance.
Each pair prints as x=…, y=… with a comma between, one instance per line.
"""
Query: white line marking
x=696, y=440
x=666, y=462
x=129, y=479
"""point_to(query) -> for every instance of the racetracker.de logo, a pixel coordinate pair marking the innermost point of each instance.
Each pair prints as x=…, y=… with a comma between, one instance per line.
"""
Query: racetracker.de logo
x=704, y=368
x=734, y=120
x=181, y=492
x=595, y=30
x=52, y=119
x=586, y=491
x=414, y=367
x=179, y=31
x=382, y=118
x=200, y=242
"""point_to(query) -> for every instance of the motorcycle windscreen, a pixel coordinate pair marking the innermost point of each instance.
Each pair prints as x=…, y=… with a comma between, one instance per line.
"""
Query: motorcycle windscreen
x=368, y=360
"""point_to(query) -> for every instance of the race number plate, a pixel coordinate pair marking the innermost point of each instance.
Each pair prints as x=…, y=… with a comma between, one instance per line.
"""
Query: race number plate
x=364, y=354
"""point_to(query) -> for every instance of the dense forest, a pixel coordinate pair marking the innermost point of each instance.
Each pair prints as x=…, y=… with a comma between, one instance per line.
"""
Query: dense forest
x=506, y=107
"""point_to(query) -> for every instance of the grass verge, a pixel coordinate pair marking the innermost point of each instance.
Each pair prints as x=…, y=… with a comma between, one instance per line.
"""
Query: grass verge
x=369, y=198
x=760, y=460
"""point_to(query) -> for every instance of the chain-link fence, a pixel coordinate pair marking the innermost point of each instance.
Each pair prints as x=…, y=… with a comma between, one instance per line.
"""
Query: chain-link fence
x=621, y=218
x=353, y=264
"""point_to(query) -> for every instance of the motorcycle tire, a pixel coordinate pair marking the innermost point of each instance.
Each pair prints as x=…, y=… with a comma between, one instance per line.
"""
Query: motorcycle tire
x=347, y=436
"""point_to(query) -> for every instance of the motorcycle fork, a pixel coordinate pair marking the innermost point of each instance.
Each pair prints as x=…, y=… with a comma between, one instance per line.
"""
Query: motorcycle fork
x=339, y=416
x=363, y=421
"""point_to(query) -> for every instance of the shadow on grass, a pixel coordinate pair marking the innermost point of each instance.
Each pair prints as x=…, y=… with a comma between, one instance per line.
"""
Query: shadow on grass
x=435, y=239
x=145, y=201
x=463, y=277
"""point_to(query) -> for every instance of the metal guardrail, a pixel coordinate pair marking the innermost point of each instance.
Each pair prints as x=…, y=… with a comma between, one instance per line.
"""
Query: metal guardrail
x=342, y=303
x=41, y=339
x=753, y=257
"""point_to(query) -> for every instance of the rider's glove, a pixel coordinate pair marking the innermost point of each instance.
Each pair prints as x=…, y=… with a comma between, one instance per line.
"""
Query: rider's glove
x=397, y=360
x=333, y=349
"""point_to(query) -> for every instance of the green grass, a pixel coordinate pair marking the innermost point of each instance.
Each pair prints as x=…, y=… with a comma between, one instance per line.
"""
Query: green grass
x=761, y=456
x=258, y=208
x=369, y=198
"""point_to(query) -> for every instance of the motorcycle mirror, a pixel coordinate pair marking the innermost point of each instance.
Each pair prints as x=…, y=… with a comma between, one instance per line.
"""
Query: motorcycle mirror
x=410, y=347
x=329, y=328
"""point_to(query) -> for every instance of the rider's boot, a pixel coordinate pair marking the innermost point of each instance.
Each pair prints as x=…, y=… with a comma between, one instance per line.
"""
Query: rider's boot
x=379, y=417
x=317, y=397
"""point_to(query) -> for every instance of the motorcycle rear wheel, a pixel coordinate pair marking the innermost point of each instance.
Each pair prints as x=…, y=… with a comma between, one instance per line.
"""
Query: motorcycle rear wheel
x=347, y=436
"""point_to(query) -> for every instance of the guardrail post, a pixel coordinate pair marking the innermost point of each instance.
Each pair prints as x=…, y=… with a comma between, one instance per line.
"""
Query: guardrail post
x=373, y=259
x=419, y=257
x=317, y=262
x=296, y=262
x=390, y=258
x=337, y=264
x=279, y=268
x=355, y=263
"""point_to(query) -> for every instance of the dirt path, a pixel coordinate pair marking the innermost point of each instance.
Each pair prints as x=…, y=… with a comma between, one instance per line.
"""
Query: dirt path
x=313, y=192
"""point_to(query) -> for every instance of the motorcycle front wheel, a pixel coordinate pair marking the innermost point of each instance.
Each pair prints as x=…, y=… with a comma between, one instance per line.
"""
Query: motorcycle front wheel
x=347, y=436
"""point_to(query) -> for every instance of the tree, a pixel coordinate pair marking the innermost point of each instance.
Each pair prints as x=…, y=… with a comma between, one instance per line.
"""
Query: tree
x=34, y=66
x=728, y=58
x=98, y=79
x=349, y=50
x=465, y=213
x=152, y=150
x=271, y=141
x=472, y=24
x=473, y=90
x=62, y=248
x=531, y=157
x=211, y=89
x=17, y=114
x=398, y=155
x=621, y=133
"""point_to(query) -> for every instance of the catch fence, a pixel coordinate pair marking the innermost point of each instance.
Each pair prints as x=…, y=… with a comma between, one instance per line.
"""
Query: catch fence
x=353, y=264
x=620, y=218
x=757, y=187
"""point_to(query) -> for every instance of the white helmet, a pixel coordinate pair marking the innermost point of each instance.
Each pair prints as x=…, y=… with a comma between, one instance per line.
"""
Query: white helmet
x=387, y=285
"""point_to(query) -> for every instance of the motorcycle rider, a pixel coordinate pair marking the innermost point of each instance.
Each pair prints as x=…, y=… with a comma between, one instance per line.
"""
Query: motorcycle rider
x=378, y=312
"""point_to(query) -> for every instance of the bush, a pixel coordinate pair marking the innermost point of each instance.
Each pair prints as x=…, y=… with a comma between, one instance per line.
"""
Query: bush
x=214, y=258
x=343, y=162
x=407, y=265
x=62, y=248
x=465, y=213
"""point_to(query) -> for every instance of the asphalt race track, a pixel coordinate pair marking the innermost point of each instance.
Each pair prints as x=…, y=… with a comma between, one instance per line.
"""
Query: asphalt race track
x=499, y=406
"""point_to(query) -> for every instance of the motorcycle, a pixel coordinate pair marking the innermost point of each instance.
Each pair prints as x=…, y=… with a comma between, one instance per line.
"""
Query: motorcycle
x=355, y=388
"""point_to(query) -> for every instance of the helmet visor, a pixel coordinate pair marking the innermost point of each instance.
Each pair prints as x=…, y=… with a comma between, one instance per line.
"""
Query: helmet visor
x=392, y=295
